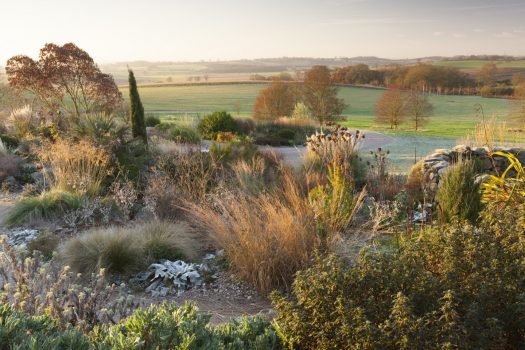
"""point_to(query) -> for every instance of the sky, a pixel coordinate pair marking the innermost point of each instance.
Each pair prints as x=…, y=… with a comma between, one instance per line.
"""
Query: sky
x=193, y=30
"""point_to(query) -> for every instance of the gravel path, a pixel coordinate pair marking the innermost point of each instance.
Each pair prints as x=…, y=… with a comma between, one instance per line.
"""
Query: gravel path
x=295, y=155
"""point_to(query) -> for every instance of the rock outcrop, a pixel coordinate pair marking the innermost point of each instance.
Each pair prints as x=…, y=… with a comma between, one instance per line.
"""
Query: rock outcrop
x=435, y=165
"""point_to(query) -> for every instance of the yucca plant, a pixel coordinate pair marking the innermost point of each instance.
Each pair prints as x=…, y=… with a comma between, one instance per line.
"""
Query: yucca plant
x=505, y=189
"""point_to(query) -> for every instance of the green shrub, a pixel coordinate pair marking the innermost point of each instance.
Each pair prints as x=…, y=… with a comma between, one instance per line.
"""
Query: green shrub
x=165, y=326
x=459, y=195
x=287, y=134
x=183, y=134
x=21, y=331
x=132, y=160
x=47, y=206
x=216, y=122
x=152, y=120
x=241, y=148
x=458, y=287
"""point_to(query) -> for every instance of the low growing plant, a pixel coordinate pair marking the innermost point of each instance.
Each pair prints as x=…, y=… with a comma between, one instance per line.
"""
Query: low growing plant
x=47, y=206
x=37, y=287
x=165, y=326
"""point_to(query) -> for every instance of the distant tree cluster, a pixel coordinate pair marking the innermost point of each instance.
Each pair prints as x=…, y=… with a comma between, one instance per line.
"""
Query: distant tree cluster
x=359, y=74
x=64, y=77
x=422, y=77
x=283, y=76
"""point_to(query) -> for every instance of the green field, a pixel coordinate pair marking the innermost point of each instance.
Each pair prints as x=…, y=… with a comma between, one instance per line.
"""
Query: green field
x=454, y=116
x=477, y=64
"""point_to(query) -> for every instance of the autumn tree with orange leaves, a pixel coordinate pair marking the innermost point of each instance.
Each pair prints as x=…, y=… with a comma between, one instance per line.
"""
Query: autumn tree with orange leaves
x=277, y=100
x=320, y=95
x=64, y=77
x=390, y=108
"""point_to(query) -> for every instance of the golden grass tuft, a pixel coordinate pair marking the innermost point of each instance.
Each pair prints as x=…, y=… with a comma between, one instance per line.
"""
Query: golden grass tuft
x=267, y=238
x=78, y=167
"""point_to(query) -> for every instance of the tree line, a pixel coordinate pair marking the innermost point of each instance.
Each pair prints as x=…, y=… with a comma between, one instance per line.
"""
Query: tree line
x=423, y=77
x=488, y=81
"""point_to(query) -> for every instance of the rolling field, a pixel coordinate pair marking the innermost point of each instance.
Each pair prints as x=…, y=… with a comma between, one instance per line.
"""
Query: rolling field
x=477, y=64
x=454, y=116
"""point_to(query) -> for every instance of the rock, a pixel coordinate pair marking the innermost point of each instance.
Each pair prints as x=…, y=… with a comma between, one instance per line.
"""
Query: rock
x=487, y=164
x=461, y=149
x=440, y=165
x=479, y=151
x=434, y=158
x=20, y=236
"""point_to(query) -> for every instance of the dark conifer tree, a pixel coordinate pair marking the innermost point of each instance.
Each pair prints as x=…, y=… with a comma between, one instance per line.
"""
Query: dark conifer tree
x=138, y=124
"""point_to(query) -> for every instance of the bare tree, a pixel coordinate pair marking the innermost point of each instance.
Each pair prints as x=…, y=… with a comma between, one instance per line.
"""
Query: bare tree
x=418, y=108
x=487, y=74
x=390, y=108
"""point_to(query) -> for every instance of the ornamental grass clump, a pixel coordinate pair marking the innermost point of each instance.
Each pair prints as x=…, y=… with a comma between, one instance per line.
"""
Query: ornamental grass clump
x=267, y=237
x=335, y=204
x=48, y=206
x=459, y=195
x=126, y=249
x=77, y=167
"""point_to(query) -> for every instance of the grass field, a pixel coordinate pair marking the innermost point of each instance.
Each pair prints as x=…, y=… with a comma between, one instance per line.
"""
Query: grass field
x=477, y=64
x=454, y=116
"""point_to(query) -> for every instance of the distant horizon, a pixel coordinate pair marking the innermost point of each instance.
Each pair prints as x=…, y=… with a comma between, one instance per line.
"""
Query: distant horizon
x=313, y=57
x=182, y=31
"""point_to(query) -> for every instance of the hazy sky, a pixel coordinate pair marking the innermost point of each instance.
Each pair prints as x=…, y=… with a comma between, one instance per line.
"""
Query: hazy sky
x=115, y=30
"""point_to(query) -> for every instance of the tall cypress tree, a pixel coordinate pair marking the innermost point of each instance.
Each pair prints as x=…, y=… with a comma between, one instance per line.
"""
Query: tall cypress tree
x=138, y=125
